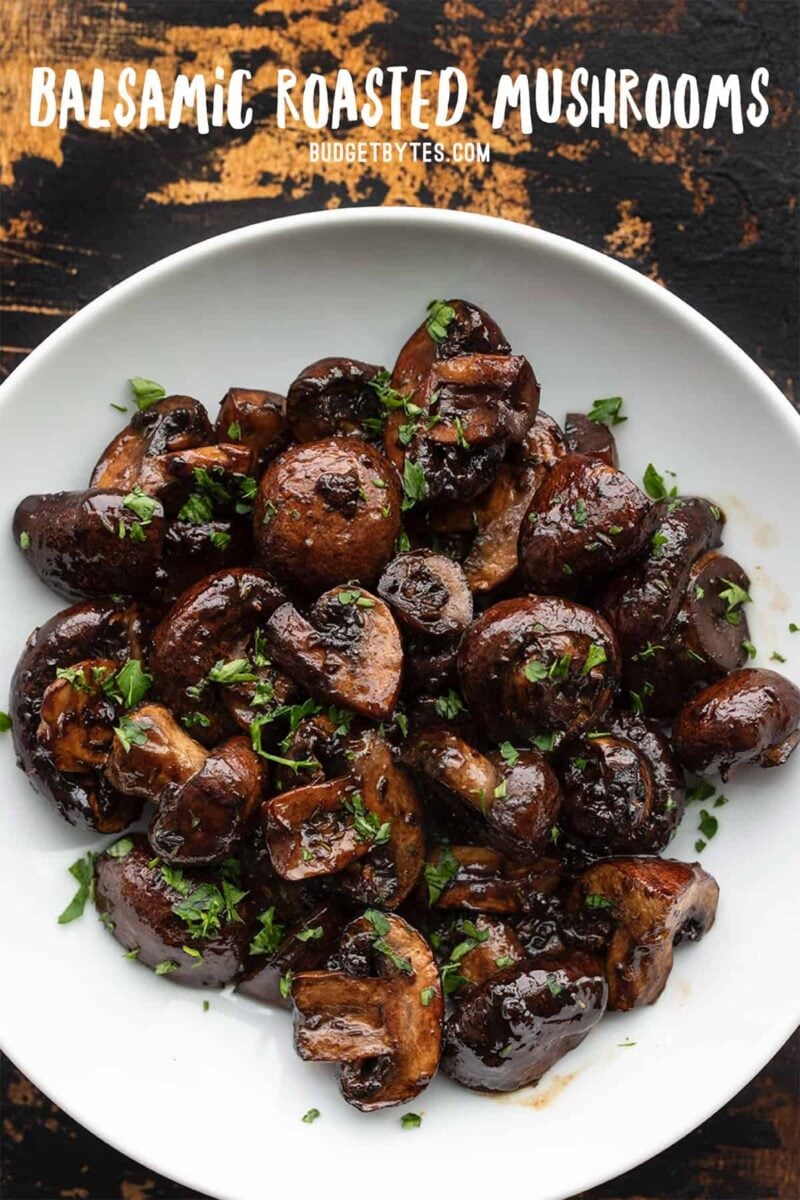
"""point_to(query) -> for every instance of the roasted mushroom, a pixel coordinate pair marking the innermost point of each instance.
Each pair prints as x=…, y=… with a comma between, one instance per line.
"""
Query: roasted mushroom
x=654, y=903
x=591, y=438
x=368, y=820
x=210, y=625
x=481, y=880
x=750, y=716
x=511, y=1030
x=189, y=928
x=586, y=519
x=537, y=665
x=492, y=558
x=256, y=419
x=174, y=424
x=623, y=788
x=427, y=592
x=514, y=802
x=92, y=543
x=334, y=396
x=347, y=650
x=98, y=632
x=206, y=800
x=327, y=511
x=380, y=1017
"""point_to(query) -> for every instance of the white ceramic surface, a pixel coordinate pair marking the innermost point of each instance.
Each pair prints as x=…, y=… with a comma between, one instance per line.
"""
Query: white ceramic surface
x=214, y=1099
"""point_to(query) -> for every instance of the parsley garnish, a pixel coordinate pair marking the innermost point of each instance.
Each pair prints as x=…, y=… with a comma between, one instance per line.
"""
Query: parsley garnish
x=367, y=824
x=606, y=411
x=269, y=936
x=654, y=484
x=708, y=824
x=237, y=670
x=235, y=431
x=734, y=596
x=509, y=754
x=83, y=871
x=165, y=967
x=426, y=995
x=146, y=392
x=310, y=1116
x=24, y=541
x=5, y=722
x=449, y=705
x=595, y=900
x=133, y=683
x=579, y=513
x=120, y=849
x=438, y=874
x=594, y=658
x=414, y=486
x=411, y=1120
x=220, y=540
x=131, y=733
x=441, y=315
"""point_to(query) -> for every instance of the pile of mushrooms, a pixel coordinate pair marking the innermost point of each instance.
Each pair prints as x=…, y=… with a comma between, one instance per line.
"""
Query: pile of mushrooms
x=403, y=679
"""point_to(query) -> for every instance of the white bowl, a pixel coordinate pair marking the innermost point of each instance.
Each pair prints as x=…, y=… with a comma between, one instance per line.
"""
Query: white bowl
x=214, y=1099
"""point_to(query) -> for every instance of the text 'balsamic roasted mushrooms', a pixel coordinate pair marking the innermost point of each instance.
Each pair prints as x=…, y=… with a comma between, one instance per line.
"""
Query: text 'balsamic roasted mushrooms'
x=386, y=669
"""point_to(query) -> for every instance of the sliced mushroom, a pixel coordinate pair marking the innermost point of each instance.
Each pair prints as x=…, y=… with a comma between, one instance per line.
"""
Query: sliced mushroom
x=327, y=511
x=492, y=558
x=536, y=665
x=750, y=716
x=304, y=946
x=333, y=396
x=219, y=469
x=586, y=519
x=591, y=438
x=346, y=651
x=255, y=418
x=482, y=398
x=186, y=927
x=91, y=543
x=544, y=444
x=623, y=789
x=206, y=801
x=369, y=821
x=654, y=903
x=173, y=424
x=510, y=1031
x=384, y=1024
x=481, y=880
x=97, y=631
x=427, y=592
x=514, y=805
x=212, y=622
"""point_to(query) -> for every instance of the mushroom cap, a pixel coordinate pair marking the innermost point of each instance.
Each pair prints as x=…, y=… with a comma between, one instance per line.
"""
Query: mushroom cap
x=211, y=621
x=327, y=511
x=514, y=1027
x=566, y=534
x=499, y=647
x=133, y=892
x=261, y=420
x=428, y=592
x=654, y=903
x=750, y=716
x=173, y=424
x=333, y=396
x=346, y=651
x=95, y=630
x=81, y=543
x=77, y=717
x=372, y=1018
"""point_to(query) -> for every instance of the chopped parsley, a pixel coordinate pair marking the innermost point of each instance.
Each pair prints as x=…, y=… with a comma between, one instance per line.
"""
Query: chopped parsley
x=120, y=849
x=734, y=597
x=415, y=487
x=440, y=317
x=220, y=540
x=654, y=484
x=702, y=790
x=146, y=392
x=131, y=733
x=708, y=824
x=237, y=670
x=165, y=967
x=24, y=541
x=449, y=705
x=5, y=722
x=594, y=658
x=367, y=824
x=310, y=935
x=426, y=995
x=269, y=936
x=439, y=874
x=750, y=649
x=411, y=1120
x=235, y=431
x=595, y=900
x=310, y=1116
x=133, y=683
x=579, y=513
x=509, y=754
x=83, y=871
x=776, y=657
x=607, y=411
x=553, y=986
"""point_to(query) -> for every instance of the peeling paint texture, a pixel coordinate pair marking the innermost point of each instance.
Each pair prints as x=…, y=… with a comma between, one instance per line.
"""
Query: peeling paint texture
x=708, y=214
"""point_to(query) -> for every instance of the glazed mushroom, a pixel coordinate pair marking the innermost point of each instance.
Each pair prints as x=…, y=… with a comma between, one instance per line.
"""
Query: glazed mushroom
x=327, y=511
x=190, y=928
x=545, y=927
x=478, y=951
x=654, y=904
x=255, y=419
x=206, y=800
x=586, y=519
x=279, y=951
x=175, y=423
x=590, y=438
x=514, y=802
x=347, y=650
x=492, y=557
x=334, y=396
x=428, y=593
x=92, y=543
x=212, y=624
x=100, y=632
x=510, y=1031
x=536, y=665
x=623, y=788
x=482, y=398
x=750, y=716
x=380, y=1017
x=369, y=821
x=77, y=716
x=481, y=880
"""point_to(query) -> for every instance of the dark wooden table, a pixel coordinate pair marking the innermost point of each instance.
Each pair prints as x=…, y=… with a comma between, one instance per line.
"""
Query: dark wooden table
x=710, y=215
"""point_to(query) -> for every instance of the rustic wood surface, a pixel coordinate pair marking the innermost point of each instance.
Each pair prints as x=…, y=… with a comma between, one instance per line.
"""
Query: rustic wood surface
x=710, y=215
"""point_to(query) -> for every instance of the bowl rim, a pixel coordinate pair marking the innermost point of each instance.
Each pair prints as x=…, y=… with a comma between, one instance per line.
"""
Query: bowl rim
x=472, y=224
